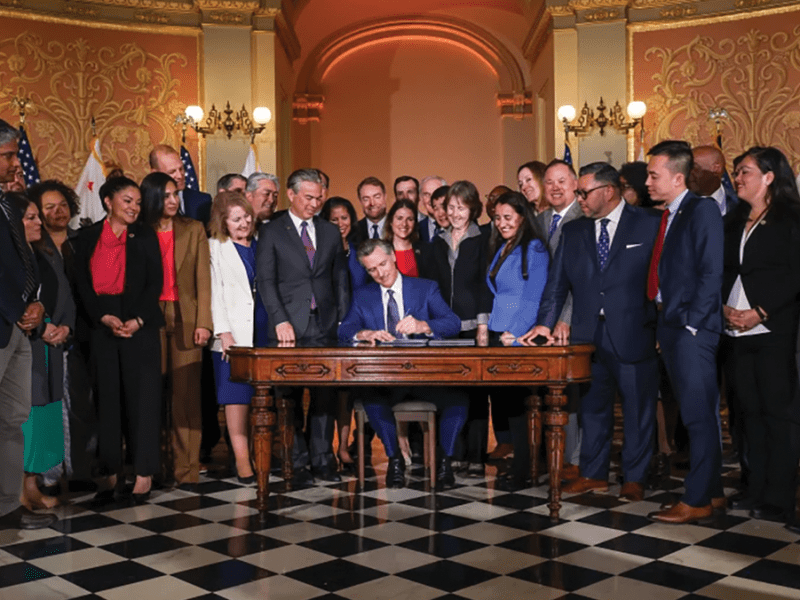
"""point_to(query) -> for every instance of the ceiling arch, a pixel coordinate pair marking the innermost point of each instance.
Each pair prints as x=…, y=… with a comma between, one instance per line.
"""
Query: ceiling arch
x=480, y=42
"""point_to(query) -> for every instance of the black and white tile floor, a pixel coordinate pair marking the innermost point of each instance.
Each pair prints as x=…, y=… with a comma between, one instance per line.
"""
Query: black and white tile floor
x=330, y=541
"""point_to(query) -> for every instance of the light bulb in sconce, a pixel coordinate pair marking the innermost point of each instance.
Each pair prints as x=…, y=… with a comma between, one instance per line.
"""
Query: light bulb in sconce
x=262, y=115
x=637, y=110
x=566, y=113
x=195, y=113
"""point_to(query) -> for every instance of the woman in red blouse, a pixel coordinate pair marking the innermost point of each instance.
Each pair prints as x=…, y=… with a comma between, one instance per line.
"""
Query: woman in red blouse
x=186, y=305
x=402, y=233
x=119, y=280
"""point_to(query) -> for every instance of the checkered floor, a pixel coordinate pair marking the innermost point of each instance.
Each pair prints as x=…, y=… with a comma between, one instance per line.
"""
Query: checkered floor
x=329, y=541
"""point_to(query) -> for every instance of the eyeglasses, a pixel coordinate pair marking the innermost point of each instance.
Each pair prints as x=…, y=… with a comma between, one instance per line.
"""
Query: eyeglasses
x=584, y=193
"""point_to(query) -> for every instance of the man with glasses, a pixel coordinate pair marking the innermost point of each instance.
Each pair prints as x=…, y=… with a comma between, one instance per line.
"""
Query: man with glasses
x=604, y=261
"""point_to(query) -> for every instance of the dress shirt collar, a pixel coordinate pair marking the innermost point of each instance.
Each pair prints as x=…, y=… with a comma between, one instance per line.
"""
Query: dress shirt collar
x=720, y=198
x=298, y=222
x=613, y=222
x=565, y=210
x=381, y=224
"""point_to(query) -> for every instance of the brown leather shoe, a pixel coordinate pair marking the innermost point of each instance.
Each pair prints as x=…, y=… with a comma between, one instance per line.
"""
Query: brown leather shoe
x=631, y=492
x=681, y=513
x=718, y=504
x=584, y=484
x=570, y=471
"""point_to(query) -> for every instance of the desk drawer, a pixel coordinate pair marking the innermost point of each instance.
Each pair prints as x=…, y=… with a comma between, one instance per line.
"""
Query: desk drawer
x=302, y=371
x=408, y=370
x=515, y=369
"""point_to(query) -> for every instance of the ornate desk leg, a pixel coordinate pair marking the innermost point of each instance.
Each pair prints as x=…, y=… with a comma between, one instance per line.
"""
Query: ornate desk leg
x=286, y=433
x=555, y=419
x=262, y=422
x=534, y=403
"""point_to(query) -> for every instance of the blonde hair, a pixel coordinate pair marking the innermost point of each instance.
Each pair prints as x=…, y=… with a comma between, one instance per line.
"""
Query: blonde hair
x=223, y=203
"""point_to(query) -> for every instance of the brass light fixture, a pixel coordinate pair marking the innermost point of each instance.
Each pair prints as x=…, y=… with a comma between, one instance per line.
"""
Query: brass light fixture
x=227, y=120
x=588, y=121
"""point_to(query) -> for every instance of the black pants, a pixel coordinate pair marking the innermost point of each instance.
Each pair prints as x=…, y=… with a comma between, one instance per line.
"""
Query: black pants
x=128, y=392
x=765, y=381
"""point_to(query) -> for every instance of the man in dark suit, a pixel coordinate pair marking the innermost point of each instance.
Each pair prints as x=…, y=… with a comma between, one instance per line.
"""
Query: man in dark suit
x=560, y=183
x=372, y=195
x=394, y=306
x=20, y=314
x=195, y=205
x=304, y=281
x=706, y=178
x=427, y=224
x=685, y=278
x=604, y=261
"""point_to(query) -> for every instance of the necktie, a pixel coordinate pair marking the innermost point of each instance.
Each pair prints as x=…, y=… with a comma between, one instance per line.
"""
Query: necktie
x=603, y=244
x=392, y=314
x=553, y=226
x=375, y=235
x=437, y=231
x=22, y=248
x=310, y=252
x=652, y=273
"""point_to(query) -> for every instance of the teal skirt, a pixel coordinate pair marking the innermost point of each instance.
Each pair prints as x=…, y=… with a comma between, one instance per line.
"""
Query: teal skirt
x=44, y=438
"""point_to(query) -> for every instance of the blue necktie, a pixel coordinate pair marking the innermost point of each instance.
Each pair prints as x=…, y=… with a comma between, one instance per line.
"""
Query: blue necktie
x=375, y=235
x=553, y=226
x=603, y=243
x=310, y=252
x=392, y=314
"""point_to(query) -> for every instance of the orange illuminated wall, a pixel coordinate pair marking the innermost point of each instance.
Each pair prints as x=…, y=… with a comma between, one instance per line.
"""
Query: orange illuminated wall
x=133, y=84
x=414, y=107
x=747, y=64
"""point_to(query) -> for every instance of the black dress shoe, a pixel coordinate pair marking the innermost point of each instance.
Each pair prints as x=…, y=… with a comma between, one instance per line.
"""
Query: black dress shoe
x=742, y=501
x=326, y=474
x=187, y=487
x=22, y=518
x=512, y=482
x=793, y=525
x=445, y=479
x=349, y=468
x=302, y=477
x=396, y=473
x=768, y=512
x=139, y=499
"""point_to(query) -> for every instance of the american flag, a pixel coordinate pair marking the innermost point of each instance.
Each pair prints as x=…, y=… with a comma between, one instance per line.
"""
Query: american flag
x=567, y=154
x=29, y=168
x=191, y=174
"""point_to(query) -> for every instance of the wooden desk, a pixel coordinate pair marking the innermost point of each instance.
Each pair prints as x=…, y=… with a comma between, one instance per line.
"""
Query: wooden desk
x=553, y=367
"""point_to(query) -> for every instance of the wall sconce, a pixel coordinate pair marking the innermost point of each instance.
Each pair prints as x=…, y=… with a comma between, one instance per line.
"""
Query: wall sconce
x=717, y=114
x=230, y=122
x=587, y=120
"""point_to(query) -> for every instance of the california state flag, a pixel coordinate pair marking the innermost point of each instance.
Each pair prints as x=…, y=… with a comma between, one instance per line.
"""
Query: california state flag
x=251, y=165
x=88, y=189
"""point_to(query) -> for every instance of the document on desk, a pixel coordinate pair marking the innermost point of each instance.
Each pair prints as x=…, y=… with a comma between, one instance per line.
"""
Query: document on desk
x=453, y=342
x=414, y=342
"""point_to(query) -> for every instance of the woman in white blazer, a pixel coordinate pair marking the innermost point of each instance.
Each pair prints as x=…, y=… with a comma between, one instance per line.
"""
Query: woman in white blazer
x=233, y=311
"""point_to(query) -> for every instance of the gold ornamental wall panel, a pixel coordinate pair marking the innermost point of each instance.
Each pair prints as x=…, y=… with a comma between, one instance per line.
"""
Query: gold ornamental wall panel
x=748, y=66
x=132, y=83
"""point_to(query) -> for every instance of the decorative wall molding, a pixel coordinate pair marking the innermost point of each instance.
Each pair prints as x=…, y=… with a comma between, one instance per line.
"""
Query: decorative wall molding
x=678, y=12
x=515, y=105
x=467, y=35
x=538, y=34
x=307, y=108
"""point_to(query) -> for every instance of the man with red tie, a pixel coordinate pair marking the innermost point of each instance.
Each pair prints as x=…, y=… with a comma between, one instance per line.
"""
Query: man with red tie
x=685, y=279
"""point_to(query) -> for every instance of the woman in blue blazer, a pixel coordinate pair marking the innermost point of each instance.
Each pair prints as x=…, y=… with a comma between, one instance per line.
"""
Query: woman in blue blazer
x=517, y=276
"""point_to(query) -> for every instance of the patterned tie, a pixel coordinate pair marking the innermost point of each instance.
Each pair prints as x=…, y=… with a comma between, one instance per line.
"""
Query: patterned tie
x=392, y=314
x=15, y=225
x=437, y=231
x=603, y=243
x=553, y=226
x=652, y=274
x=310, y=252
x=375, y=235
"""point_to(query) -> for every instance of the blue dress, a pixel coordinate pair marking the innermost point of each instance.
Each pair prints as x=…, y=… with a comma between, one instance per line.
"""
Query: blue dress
x=233, y=392
x=516, y=300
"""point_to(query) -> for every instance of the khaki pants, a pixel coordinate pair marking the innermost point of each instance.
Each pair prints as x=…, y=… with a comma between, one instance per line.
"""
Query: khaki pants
x=182, y=368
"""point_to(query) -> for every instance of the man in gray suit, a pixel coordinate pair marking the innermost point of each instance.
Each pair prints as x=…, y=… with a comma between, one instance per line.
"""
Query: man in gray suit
x=303, y=280
x=560, y=183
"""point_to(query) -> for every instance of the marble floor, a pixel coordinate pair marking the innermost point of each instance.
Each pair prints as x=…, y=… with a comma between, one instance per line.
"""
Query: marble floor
x=332, y=541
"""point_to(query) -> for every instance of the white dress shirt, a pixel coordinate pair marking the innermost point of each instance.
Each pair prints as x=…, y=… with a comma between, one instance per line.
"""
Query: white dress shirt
x=720, y=198
x=397, y=288
x=738, y=298
x=312, y=232
x=381, y=226
x=613, y=221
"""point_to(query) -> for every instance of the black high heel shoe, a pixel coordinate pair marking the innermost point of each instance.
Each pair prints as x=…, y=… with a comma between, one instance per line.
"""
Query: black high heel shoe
x=246, y=480
x=139, y=499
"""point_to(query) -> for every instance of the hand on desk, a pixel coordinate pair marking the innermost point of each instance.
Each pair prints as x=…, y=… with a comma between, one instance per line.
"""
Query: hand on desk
x=373, y=336
x=539, y=330
x=409, y=325
x=284, y=332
